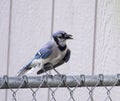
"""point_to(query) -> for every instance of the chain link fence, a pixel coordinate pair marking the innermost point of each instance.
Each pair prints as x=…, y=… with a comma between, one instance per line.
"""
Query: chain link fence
x=71, y=83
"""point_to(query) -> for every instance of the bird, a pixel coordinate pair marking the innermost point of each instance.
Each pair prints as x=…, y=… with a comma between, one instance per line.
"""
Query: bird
x=53, y=54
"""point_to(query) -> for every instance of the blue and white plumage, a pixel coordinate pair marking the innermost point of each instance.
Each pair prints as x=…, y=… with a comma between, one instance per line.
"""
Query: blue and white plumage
x=51, y=55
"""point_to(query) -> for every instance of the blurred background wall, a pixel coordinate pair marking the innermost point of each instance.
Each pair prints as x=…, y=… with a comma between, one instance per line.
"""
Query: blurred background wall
x=25, y=25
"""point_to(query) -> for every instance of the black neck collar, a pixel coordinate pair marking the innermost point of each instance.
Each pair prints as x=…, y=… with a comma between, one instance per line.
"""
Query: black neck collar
x=62, y=48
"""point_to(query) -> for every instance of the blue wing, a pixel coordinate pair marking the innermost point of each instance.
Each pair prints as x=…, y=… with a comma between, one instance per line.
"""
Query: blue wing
x=44, y=52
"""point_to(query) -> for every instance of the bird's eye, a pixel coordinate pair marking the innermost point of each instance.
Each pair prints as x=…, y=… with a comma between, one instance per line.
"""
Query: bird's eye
x=60, y=37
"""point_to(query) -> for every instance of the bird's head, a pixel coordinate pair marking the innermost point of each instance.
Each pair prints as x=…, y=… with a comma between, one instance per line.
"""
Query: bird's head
x=60, y=37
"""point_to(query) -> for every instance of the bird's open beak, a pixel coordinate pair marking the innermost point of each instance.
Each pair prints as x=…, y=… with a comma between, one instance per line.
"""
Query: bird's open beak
x=68, y=36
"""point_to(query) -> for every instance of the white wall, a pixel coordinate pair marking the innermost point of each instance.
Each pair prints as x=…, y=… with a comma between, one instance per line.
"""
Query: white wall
x=30, y=27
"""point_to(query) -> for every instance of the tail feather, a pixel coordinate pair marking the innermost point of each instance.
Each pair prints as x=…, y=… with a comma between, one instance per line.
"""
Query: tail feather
x=30, y=66
x=24, y=70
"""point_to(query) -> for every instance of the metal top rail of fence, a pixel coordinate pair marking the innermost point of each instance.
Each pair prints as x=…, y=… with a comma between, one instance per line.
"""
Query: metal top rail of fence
x=57, y=81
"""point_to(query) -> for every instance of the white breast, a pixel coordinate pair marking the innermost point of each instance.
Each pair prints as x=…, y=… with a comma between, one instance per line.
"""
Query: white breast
x=60, y=56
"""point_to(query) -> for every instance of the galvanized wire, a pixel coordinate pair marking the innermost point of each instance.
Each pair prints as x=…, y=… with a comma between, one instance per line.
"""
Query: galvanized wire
x=53, y=83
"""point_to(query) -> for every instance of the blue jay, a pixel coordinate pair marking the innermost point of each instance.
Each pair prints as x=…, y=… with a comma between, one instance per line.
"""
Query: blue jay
x=51, y=55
